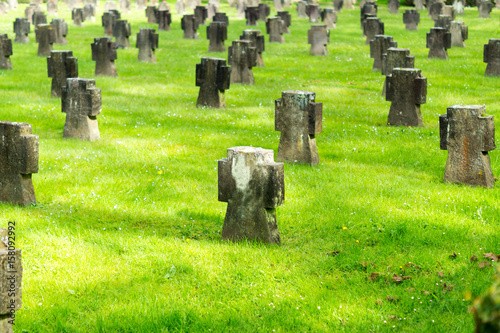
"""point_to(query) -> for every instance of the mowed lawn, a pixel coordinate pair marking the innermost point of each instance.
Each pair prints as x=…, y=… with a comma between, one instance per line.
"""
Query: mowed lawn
x=125, y=235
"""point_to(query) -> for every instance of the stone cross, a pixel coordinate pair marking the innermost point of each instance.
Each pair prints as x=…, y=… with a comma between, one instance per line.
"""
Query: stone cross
x=348, y=4
x=108, y=20
x=151, y=14
x=201, y=14
x=459, y=33
x=395, y=58
x=371, y=27
x=299, y=119
x=369, y=9
x=61, y=30
x=213, y=77
x=180, y=7
x=77, y=17
x=122, y=32
x=147, y=43
x=443, y=21
x=29, y=10
x=11, y=274
x=221, y=17
x=419, y=4
x=485, y=8
x=438, y=41
x=257, y=41
x=164, y=6
x=313, y=11
x=104, y=55
x=140, y=4
x=88, y=12
x=52, y=7
x=406, y=90
x=60, y=66
x=435, y=9
x=378, y=47
x=252, y=15
x=189, y=24
x=329, y=17
x=319, y=37
x=45, y=37
x=21, y=29
x=264, y=11
x=411, y=18
x=81, y=101
x=491, y=56
x=110, y=5
x=278, y=5
x=242, y=57
x=301, y=9
x=287, y=18
x=5, y=52
x=468, y=135
x=253, y=185
x=217, y=34
x=212, y=8
x=393, y=6
x=275, y=27
x=450, y=11
x=459, y=5
x=125, y=6
x=18, y=160
x=164, y=18
x=241, y=6
x=39, y=18
x=337, y=5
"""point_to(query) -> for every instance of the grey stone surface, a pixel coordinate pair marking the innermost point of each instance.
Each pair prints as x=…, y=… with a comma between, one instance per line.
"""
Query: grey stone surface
x=438, y=41
x=201, y=14
x=337, y=5
x=319, y=38
x=301, y=9
x=485, y=7
x=151, y=14
x=212, y=8
x=241, y=7
x=329, y=17
x=125, y=6
x=468, y=136
x=77, y=17
x=147, y=43
x=491, y=56
x=164, y=19
x=419, y=4
x=5, y=325
x=411, y=18
x=217, y=34
x=378, y=47
x=450, y=11
x=278, y=5
x=11, y=273
x=435, y=9
x=287, y=18
x=104, y=55
x=38, y=18
x=30, y=10
x=349, y=4
x=5, y=52
x=180, y=7
x=458, y=6
x=459, y=33
x=372, y=26
x=252, y=15
x=395, y=58
x=88, y=12
x=369, y=9
x=189, y=24
x=253, y=186
x=275, y=28
x=61, y=31
x=108, y=20
x=313, y=11
x=264, y=11
x=60, y=66
x=45, y=37
x=242, y=57
x=213, y=77
x=52, y=7
x=122, y=32
x=257, y=41
x=18, y=160
x=81, y=101
x=443, y=21
x=299, y=119
x=406, y=90
x=221, y=17
x=393, y=6
x=21, y=29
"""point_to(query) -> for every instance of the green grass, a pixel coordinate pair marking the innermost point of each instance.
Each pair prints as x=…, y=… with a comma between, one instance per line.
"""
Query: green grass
x=125, y=236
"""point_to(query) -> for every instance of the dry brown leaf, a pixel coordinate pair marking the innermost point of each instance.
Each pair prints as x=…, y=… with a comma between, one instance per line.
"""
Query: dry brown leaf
x=426, y=292
x=373, y=276
x=440, y=274
x=484, y=264
x=333, y=253
x=448, y=287
x=473, y=258
x=453, y=255
x=378, y=302
x=392, y=299
x=392, y=317
x=396, y=278
x=406, y=277
x=491, y=256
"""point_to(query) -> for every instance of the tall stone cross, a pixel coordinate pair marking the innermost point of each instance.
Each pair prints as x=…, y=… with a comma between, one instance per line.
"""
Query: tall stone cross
x=45, y=36
x=77, y=17
x=5, y=52
x=18, y=160
x=378, y=47
x=275, y=27
x=60, y=30
x=21, y=29
x=438, y=41
x=122, y=32
x=217, y=34
x=147, y=43
x=213, y=77
x=468, y=136
x=491, y=56
x=104, y=55
x=257, y=41
x=372, y=26
x=253, y=185
x=164, y=19
x=411, y=19
x=60, y=66
x=319, y=38
x=329, y=17
x=395, y=58
x=299, y=119
x=242, y=57
x=189, y=24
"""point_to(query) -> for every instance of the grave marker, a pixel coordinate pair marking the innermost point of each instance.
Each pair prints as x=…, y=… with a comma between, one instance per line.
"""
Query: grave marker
x=45, y=37
x=242, y=57
x=121, y=32
x=371, y=27
x=459, y=33
x=217, y=34
x=61, y=30
x=104, y=55
x=77, y=17
x=395, y=58
x=60, y=66
x=287, y=18
x=319, y=37
x=491, y=56
x=201, y=14
x=411, y=18
x=147, y=43
x=378, y=47
x=313, y=11
x=257, y=41
x=21, y=29
x=438, y=41
x=275, y=27
x=164, y=19
x=213, y=77
x=5, y=52
x=329, y=17
x=189, y=24
x=252, y=15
